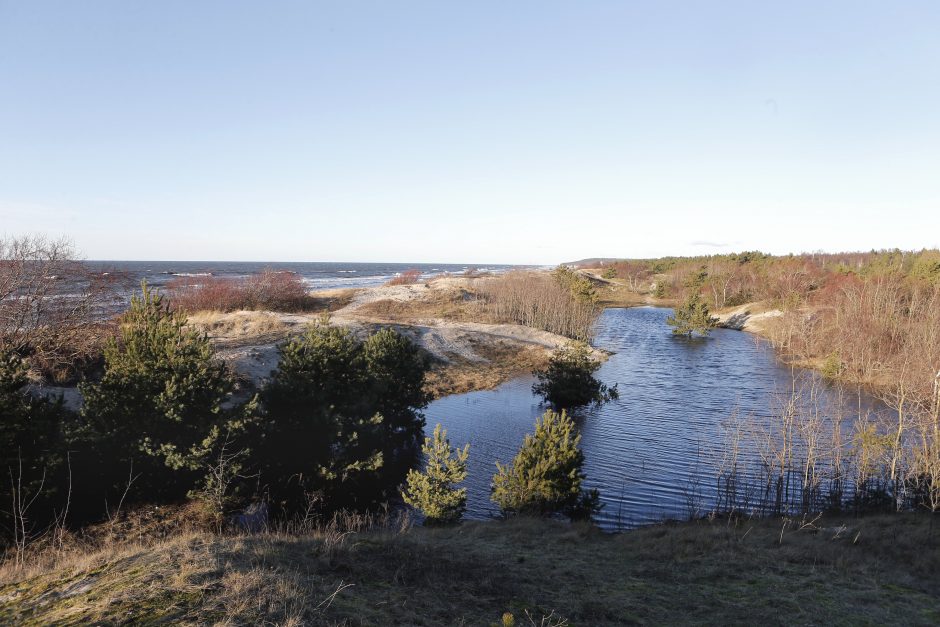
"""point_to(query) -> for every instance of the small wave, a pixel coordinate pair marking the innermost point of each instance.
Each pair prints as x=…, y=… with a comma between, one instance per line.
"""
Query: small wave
x=189, y=273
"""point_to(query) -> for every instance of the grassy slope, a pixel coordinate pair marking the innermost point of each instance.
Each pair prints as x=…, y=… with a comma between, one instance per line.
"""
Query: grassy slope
x=869, y=571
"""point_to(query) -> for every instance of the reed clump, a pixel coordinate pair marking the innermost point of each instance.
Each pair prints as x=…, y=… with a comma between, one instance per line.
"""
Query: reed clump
x=827, y=453
x=543, y=301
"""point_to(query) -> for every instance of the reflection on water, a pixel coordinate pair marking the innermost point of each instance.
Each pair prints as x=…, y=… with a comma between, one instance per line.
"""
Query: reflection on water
x=640, y=451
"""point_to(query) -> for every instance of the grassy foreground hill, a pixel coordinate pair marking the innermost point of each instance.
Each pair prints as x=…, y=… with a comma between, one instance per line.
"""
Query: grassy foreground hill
x=872, y=570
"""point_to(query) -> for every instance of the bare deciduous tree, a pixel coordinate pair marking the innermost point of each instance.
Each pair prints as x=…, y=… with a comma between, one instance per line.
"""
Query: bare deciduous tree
x=52, y=305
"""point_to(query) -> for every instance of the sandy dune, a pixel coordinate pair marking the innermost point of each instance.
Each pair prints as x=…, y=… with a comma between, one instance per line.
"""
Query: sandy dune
x=440, y=316
x=466, y=354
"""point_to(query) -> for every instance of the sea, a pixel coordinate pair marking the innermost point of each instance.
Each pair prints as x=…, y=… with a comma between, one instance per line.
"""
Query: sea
x=318, y=275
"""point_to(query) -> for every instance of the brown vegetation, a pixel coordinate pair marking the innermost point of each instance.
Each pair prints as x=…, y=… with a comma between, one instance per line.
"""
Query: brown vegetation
x=408, y=277
x=503, y=361
x=447, y=304
x=542, y=301
x=878, y=570
x=239, y=326
x=52, y=306
x=869, y=318
x=269, y=290
x=823, y=449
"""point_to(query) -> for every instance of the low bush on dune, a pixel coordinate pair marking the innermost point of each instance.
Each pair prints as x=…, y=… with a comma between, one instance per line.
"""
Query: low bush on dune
x=269, y=290
x=408, y=277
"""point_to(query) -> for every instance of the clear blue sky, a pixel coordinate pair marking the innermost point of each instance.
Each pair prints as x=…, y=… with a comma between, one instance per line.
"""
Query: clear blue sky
x=530, y=132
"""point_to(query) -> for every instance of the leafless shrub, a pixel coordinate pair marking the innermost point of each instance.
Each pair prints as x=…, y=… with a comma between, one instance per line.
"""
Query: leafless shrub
x=408, y=277
x=808, y=457
x=223, y=470
x=729, y=466
x=924, y=470
x=53, y=307
x=538, y=300
x=269, y=291
x=22, y=501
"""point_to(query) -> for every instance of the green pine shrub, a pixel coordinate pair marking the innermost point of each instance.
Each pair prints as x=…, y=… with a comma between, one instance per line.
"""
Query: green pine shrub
x=341, y=418
x=691, y=317
x=546, y=475
x=832, y=367
x=433, y=491
x=568, y=381
x=581, y=287
x=158, y=402
x=395, y=372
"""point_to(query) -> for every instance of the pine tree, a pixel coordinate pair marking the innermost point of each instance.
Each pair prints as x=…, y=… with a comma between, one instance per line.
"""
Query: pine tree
x=581, y=287
x=691, y=317
x=546, y=475
x=433, y=491
x=341, y=417
x=160, y=395
x=569, y=380
x=395, y=371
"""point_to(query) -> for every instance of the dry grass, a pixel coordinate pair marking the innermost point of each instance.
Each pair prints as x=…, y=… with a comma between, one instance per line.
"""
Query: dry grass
x=614, y=294
x=332, y=300
x=447, y=304
x=239, y=325
x=871, y=571
x=505, y=361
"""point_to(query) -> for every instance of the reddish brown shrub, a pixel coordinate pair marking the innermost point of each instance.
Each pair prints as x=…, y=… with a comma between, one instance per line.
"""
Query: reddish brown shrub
x=408, y=277
x=270, y=290
x=54, y=308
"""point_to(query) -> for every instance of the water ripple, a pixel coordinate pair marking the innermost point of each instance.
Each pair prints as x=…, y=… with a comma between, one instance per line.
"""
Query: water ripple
x=642, y=451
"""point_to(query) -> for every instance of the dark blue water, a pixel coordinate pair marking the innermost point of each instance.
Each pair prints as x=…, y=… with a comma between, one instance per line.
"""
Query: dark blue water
x=640, y=451
x=318, y=275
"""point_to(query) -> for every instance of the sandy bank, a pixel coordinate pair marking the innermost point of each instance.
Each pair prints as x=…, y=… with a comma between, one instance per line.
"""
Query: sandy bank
x=441, y=317
x=752, y=317
x=467, y=349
